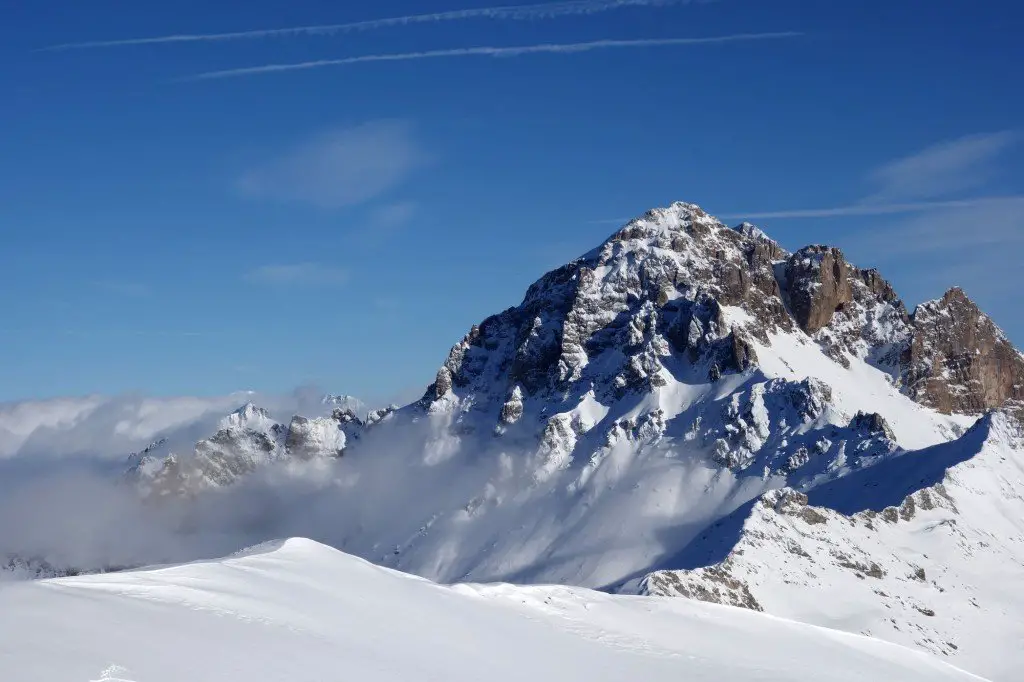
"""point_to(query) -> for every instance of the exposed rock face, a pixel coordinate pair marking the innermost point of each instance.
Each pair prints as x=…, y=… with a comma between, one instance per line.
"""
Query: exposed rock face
x=872, y=423
x=958, y=360
x=847, y=310
x=661, y=287
x=819, y=285
x=714, y=585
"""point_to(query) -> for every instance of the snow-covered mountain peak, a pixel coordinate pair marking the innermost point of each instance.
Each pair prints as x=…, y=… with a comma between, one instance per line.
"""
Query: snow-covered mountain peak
x=674, y=297
x=634, y=415
x=248, y=416
x=344, y=402
x=246, y=439
x=751, y=231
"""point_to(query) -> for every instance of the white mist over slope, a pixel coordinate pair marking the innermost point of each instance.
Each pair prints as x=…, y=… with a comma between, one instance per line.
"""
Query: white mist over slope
x=410, y=495
x=103, y=426
x=301, y=611
x=106, y=427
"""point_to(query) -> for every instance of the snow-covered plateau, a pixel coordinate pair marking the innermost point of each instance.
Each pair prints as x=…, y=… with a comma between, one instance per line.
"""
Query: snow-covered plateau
x=297, y=610
x=688, y=410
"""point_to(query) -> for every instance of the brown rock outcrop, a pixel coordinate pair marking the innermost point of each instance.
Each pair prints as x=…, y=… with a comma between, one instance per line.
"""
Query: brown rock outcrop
x=958, y=360
x=818, y=285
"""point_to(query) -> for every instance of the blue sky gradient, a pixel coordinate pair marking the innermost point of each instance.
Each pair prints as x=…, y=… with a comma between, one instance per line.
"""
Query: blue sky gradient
x=173, y=232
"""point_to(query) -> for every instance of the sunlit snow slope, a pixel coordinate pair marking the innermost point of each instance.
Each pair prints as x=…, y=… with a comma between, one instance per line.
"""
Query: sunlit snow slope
x=302, y=611
x=925, y=550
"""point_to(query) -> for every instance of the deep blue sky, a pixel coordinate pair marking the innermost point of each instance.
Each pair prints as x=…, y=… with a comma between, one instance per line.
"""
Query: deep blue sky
x=346, y=224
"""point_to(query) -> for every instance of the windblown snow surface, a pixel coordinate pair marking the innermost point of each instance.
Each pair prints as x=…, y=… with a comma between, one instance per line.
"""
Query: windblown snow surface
x=298, y=610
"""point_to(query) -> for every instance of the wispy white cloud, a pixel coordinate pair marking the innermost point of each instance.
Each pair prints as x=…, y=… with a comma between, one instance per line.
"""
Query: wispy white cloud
x=550, y=10
x=917, y=183
x=869, y=209
x=993, y=225
x=383, y=222
x=115, y=332
x=392, y=216
x=973, y=247
x=298, y=274
x=339, y=168
x=952, y=166
x=123, y=288
x=550, y=48
x=934, y=239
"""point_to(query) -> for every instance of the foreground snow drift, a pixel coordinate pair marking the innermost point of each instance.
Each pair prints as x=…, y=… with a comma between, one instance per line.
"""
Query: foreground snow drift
x=298, y=610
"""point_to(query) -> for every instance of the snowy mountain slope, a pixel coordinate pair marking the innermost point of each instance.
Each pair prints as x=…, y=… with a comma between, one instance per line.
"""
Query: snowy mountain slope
x=638, y=396
x=586, y=436
x=301, y=611
x=929, y=552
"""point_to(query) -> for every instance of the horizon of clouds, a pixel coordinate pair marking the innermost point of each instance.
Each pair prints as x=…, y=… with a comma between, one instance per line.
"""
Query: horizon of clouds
x=551, y=10
x=340, y=167
x=298, y=274
x=490, y=51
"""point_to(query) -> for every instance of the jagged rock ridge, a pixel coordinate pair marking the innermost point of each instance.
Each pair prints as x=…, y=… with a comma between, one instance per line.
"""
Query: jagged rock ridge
x=958, y=360
x=664, y=287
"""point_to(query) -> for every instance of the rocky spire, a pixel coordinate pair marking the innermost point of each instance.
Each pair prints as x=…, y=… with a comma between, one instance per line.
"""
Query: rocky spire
x=958, y=360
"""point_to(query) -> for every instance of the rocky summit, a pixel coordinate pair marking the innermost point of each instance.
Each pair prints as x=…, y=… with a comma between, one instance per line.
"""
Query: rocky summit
x=957, y=359
x=678, y=293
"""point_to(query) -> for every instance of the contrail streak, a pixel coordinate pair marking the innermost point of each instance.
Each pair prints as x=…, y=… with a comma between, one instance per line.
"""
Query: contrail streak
x=565, y=48
x=853, y=210
x=510, y=12
x=875, y=209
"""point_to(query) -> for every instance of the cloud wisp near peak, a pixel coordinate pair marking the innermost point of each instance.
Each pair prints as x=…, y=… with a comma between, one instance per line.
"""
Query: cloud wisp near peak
x=518, y=51
x=526, y=12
